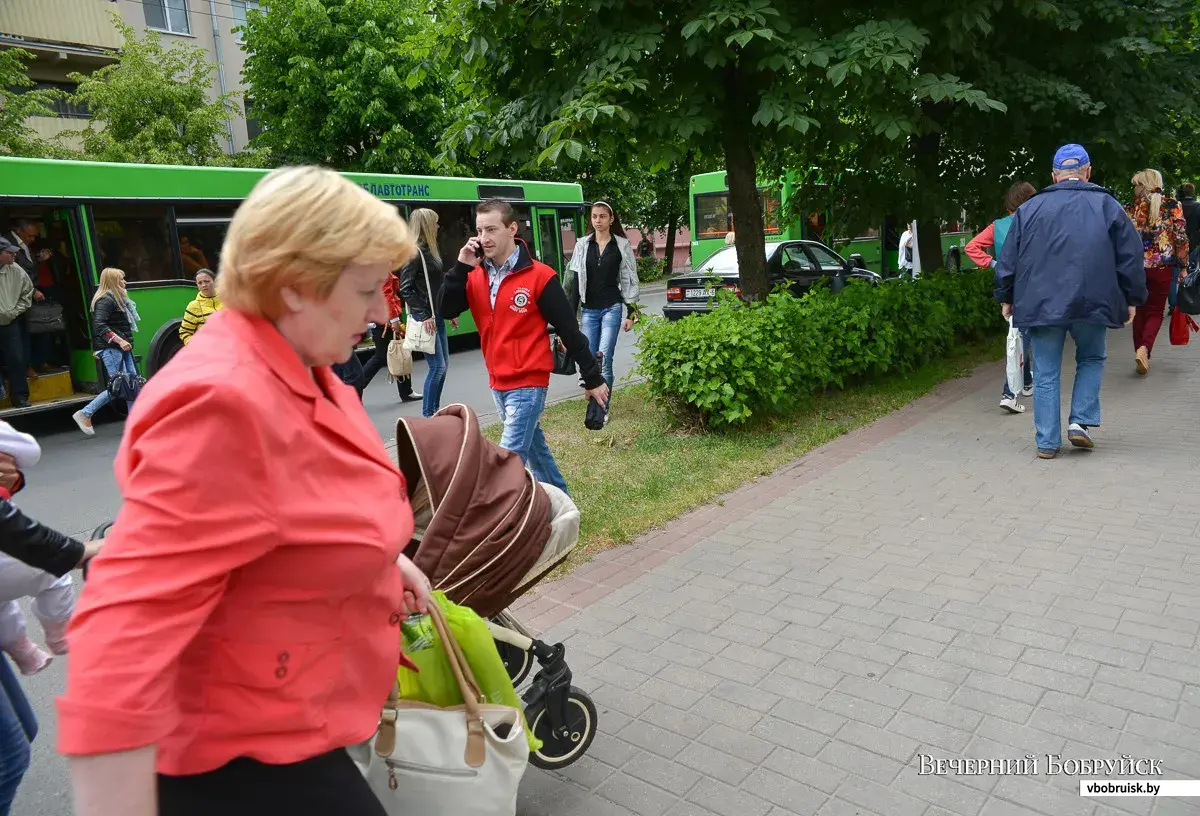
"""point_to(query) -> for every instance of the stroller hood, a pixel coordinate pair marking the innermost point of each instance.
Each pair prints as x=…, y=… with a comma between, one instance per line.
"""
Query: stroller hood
x=490, y=518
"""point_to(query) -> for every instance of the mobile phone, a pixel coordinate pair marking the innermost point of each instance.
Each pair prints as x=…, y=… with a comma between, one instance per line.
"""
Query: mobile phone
x=479, y=251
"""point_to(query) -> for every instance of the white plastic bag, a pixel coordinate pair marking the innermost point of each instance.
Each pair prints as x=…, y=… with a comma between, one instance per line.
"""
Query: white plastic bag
x=1016, y=359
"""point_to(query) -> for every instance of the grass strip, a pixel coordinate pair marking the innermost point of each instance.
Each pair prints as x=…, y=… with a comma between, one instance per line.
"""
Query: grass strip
x=642, y=471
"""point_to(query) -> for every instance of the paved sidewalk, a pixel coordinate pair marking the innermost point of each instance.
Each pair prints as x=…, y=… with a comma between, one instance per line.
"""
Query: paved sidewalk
x=921, y=586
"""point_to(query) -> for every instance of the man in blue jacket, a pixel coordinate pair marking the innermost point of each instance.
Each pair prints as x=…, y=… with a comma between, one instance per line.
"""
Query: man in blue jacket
x=1072, y=264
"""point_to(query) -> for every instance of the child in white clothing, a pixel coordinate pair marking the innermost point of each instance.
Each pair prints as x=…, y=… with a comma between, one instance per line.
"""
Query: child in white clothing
x=53, y=598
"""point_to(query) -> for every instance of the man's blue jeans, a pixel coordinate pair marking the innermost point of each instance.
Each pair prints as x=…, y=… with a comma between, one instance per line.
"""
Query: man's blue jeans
x=602, y=327
x=18, y=727
x=520, y=410
x=438, y=362
x=1047, y=343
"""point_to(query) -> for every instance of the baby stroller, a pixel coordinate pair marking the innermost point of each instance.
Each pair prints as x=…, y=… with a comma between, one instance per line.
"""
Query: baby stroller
x=486, y=532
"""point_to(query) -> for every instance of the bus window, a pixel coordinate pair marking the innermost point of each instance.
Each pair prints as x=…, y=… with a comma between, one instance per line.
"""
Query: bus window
x=200, y=241
x=771, y=213
x=525, y=228
x=456, y=223
x=566, y=230
x=814, y=226
x=713, y=218
x=136, y=239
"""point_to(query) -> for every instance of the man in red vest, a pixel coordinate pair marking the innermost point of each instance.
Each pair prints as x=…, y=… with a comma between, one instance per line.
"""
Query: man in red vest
x=512, y=297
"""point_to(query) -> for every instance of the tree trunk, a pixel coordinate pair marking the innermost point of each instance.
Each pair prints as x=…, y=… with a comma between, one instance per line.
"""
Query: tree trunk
x=683, y=177
x=742, y=174
x=926, y=160
x=669, y=250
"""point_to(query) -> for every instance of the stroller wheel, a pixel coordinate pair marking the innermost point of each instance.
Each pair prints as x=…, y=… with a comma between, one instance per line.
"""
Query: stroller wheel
x=517, y=662
x=581, y=724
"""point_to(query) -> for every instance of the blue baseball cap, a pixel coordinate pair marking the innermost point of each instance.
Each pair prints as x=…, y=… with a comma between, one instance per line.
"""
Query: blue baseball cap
x=1070, y=157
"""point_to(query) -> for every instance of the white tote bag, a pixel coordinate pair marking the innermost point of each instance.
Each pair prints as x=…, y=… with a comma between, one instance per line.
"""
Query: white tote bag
x=464, y=760
x=416, y=337
x=1016, y=359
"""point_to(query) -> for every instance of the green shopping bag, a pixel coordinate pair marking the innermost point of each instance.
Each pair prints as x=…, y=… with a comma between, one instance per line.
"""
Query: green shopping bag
x=435, y=683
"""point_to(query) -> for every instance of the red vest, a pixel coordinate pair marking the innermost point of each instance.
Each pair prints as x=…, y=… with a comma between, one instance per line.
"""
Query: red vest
x=516, y=345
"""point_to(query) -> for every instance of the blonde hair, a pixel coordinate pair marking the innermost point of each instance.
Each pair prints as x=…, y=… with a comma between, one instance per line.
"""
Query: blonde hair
x=424, y=223
x=300, y=227
x=111, y=279
x=1148, y=184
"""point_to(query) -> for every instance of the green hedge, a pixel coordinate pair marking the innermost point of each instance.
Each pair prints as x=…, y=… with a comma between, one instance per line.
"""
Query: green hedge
x=742, y=361
x=650, y=269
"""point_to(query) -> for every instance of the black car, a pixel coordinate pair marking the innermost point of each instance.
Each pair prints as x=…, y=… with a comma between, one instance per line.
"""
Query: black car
x=799, y=264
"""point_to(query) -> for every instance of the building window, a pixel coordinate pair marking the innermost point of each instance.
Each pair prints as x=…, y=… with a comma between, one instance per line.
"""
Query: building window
x=64, y=108
x=253, y=123
x=167, y=15
x=240, y=7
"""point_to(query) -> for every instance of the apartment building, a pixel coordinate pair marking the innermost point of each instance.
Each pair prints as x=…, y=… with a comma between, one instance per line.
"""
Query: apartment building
x=66, y=36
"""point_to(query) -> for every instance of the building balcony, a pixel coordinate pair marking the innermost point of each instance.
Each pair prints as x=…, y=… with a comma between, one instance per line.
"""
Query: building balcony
x=71, y=27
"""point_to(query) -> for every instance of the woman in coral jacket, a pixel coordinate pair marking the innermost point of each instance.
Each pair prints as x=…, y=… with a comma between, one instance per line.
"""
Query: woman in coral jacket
x=241, y=627
x=992, y=238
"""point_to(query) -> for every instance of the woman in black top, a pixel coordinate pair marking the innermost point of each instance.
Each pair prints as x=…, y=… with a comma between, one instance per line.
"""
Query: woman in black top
x=606, y=284
x=420, y=281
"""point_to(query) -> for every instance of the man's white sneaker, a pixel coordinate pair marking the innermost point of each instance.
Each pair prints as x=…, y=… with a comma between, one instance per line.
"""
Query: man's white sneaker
x=1011, y=405
x=1078, y=436
x=84, y=423
x=1027, y=391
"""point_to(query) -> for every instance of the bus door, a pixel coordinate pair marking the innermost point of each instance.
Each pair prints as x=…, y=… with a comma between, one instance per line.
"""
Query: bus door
x=60, y=365
x=549, y=241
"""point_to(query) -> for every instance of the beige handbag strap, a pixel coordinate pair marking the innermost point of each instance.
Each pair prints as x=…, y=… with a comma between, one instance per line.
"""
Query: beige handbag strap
x=476, y=752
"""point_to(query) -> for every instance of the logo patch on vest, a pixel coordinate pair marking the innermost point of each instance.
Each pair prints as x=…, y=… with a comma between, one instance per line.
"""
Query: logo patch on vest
x=520, y=301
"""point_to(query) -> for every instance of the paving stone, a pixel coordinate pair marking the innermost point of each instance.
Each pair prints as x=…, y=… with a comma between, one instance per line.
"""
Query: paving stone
x=725, y=800
x=662, y=773
x=654, y=739
x=785, y=793
x=715, y=764
x=880, y=799
x=813, y=773
x=637, y=796
x=860, y=762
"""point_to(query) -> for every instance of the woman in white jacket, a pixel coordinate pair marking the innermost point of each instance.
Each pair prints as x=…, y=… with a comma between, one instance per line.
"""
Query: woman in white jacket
x=606, y=285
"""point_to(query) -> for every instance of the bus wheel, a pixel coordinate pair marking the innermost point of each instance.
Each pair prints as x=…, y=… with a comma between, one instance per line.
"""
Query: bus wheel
x=165, y=345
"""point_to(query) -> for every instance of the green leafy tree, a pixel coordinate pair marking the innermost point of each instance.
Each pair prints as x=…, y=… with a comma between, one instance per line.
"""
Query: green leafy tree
x=152, y=106
x=18, y=102
x=354, y=84
x=1121, y=78
x=734, y=78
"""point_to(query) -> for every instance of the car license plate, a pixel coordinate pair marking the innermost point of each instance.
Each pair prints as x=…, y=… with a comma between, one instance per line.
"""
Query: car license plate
x=701, y=293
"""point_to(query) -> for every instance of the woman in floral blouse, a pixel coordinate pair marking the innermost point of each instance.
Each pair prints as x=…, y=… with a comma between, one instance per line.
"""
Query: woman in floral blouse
x=1164, y=237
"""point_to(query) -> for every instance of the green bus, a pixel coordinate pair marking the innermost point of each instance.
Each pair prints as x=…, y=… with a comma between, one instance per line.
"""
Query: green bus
x=711, y=219
x=160, y=224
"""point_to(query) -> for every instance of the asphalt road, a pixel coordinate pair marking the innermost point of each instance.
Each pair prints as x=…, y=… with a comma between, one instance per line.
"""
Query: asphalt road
x=73, y=489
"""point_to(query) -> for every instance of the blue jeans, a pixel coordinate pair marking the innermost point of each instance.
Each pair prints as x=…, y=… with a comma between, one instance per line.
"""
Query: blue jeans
x=439, y=362
x=520, y=410
x=601, y=327
x=1028, y=367
x=115, y=361
x=1047, y=343
x=18, y=727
